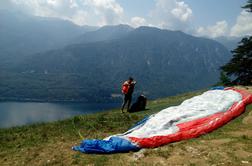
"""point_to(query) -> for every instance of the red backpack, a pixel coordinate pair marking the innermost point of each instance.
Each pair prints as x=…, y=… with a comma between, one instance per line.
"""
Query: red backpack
x=125, y=87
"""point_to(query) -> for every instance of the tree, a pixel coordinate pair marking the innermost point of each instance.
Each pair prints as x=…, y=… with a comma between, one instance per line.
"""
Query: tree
x=248, y=6
x=224, y=79
x=239, y=68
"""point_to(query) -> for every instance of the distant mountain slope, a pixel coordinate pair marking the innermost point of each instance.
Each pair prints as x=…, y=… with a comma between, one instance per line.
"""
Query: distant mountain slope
x=23, y=35
x=163, y=62
x=105, y=33
x=229, y=42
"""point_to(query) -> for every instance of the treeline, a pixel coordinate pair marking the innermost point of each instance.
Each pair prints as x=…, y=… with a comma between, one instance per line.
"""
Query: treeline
x=239, y=69
x=50, y=87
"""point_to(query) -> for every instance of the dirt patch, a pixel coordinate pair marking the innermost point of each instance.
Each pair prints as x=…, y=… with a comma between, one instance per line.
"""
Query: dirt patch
x=185, y=160
x=177, y=160
x=59, y=153
x=54, y=154
x=242, y=154
x=243, y=133
x=220, y=141
x=155, y=161
x=247, y=120
x=247, y=88
x=138, y=155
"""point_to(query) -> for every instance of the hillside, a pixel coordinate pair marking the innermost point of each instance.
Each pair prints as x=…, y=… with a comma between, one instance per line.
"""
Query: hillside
x=104, y=33
x=163, y=62
x=50, y=144
x=229, y=42
x=23, y=35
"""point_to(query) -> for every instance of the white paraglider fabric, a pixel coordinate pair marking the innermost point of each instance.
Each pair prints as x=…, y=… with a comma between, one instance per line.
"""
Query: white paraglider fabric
x=165, y=121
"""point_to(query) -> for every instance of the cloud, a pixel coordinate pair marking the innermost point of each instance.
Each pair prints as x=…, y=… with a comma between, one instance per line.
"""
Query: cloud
x=166, y=14
x=137, y=21
x=219, y=29
x=243, y=25
x=109, y=10
x=171, y=14
x=91, y=12
x=182, y=11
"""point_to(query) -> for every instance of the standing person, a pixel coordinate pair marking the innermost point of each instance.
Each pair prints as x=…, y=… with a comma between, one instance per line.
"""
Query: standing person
x=127, y=90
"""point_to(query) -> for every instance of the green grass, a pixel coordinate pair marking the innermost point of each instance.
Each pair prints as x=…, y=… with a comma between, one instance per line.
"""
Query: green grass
x=50, y=143
x=90, y=126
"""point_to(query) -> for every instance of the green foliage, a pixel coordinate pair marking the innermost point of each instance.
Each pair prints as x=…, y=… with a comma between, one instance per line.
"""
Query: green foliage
x=240, y=66
x=224, y=79
x=248, y=6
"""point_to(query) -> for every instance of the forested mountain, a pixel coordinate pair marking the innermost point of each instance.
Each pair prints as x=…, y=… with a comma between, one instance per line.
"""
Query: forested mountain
x=23, y=35
x=163, y=62
x=104, y=33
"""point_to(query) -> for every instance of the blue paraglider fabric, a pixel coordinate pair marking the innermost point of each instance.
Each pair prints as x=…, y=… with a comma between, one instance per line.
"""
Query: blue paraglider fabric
x=218, y=88
x=113, y=145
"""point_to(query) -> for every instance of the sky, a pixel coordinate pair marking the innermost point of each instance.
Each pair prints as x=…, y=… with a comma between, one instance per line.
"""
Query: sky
x=211, y=18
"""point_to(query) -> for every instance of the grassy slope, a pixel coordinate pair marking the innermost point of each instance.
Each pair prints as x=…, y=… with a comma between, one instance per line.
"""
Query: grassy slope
x=50, y=143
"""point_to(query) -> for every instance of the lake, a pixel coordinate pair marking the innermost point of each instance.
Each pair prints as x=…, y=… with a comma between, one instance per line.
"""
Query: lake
x=22, y=113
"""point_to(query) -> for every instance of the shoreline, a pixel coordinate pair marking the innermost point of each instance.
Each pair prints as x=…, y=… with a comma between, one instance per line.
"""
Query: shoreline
x=55, y=100
x=42, y=112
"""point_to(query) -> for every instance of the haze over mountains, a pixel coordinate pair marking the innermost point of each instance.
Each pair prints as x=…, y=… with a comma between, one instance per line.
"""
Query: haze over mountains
x=104, y=33
x=229, y=42
x=50, y=59
x=23, y=35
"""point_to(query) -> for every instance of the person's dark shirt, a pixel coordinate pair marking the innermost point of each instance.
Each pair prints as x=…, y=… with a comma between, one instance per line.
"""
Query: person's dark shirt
x=131, y=88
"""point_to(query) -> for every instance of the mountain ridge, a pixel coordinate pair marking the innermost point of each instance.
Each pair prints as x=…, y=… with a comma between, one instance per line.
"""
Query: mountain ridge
x=23, y=35
x=163, y=62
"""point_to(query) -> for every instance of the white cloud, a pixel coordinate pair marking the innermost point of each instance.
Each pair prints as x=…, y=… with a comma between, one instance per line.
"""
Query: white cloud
x=219, y=29
x=109, y=11
x=171, y=14
x=46, y=8
x=91, y=12
x=182, y=11
x=137, y=21
x=80, y=17
x=166, y=14
x=243, y=25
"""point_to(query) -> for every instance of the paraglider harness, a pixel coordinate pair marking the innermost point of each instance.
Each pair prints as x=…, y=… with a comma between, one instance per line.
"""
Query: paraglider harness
x=127, y=88
x=139, y=105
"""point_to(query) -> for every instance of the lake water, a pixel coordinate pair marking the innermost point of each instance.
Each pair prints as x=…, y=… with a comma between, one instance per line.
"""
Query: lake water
x=21, y=113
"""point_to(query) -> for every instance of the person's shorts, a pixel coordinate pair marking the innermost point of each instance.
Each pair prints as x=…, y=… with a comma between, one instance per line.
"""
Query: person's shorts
x=127, y=97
